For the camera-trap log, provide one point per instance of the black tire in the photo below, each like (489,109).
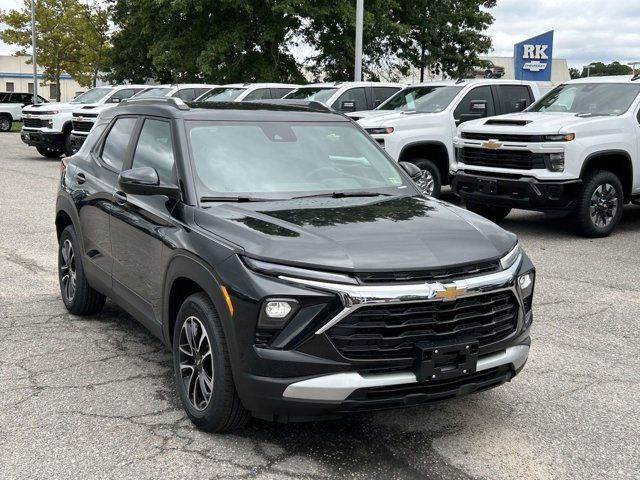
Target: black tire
(5,123)
(593,227)
(81,299)
(224,411)
(429,167)
(67,146)
(495,214)
(50,152)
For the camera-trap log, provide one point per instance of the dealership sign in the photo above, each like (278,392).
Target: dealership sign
(533,58)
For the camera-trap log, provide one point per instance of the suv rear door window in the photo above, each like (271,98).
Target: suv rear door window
(477,94)
(514,98)
(155,149)
(117,142)
(356,95)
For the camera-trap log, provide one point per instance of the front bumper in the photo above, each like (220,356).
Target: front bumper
(77,140)
(302,374)
(36,138)
(516,192)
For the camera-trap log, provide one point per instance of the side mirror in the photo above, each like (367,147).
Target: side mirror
(410,169)
(145,181)
(348,106)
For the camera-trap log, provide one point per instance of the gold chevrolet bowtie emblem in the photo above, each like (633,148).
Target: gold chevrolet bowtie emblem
(450,293)
(491,143)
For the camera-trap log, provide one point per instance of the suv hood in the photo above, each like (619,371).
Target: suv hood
(536,123)
(358,234)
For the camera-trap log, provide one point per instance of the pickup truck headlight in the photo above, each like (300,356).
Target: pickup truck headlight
(561,137)
(50,112)
(380,131)
(555,162)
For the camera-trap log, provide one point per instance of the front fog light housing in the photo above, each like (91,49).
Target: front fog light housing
(556,162)
(525,284)
(276,312)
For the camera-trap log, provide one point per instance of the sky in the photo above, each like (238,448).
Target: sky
(585,30)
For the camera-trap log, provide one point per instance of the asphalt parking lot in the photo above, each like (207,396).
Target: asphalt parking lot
(94,397)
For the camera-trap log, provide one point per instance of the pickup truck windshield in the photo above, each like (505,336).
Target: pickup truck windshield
(588,98)
(432,99)
(284,160)
(319,94)
(92,96)
(221,94)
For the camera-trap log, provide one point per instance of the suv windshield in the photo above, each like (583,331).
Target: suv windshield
(588,98)
(92,96)
(431,99)
(291,158)
(154,92)
(221,94)
(319,94)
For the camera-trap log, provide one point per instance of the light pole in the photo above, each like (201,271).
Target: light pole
(33,48)
(589,67)
(359,24)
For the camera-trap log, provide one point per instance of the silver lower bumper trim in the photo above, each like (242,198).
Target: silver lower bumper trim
(338,386)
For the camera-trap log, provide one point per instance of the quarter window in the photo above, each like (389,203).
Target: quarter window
(155,149)
(356,95)
(117,142)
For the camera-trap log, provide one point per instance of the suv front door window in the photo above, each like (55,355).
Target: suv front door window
(116,144)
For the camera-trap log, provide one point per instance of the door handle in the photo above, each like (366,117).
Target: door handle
(80,178)
(120,197)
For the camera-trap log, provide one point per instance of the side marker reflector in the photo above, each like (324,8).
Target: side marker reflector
(227,298)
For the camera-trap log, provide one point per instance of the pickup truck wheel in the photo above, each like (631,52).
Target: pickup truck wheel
(600,204)
(5,123)
(50,152)
(430,183)
(67,146)
(495,214)
(77,294)
(202,368)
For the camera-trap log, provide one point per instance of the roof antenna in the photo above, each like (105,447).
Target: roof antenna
(636,75)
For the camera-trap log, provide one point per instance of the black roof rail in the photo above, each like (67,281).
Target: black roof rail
(310,104)
(169,101)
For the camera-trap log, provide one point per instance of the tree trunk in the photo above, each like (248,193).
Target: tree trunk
(422,63)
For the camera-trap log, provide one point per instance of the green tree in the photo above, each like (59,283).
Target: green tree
(601,69)
(70,37)
(574,73)
(444,36)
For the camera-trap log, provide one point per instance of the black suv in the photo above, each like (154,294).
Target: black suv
(292,267)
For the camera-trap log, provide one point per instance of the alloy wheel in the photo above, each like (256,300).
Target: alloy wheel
(196,363)
(604,205)
(5,124)
(68,271)
(426,183)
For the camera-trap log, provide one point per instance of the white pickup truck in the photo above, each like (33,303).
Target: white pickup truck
(418,124)
(47,126)
(576,150)
(11,104)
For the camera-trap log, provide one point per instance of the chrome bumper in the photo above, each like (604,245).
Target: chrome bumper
(338,386)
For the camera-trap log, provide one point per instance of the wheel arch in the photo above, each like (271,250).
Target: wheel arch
(436,152)
(615,161)
(7,114)
(186,275)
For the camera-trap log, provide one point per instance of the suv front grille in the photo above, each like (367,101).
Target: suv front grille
(429,275)
(516,159)
(391,332)
(82,126)
(32,122)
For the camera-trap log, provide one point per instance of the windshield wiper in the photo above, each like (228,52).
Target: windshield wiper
(235,198)
(345,195)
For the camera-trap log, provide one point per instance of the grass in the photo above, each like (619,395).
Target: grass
(16,126)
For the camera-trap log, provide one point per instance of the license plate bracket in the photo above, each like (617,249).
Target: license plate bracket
(487,186)
(446,361)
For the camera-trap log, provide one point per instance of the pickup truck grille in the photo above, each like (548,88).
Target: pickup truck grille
(503,137)
(516,159)
(32,122)
(82,126)
(391,332)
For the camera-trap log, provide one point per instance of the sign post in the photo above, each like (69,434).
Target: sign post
(533,58)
